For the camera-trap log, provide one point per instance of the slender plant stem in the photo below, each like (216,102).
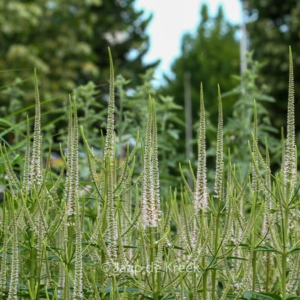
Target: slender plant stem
(67,285)
(69,258)
(268,271)
(203,261)
(152,258)
(32,262)
(194,279)
(214,274)
(283,264)
(254,258)
(284,254)
(285,241)
(205,285)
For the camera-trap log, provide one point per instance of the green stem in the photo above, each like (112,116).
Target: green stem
(69,258)
(268,271)
(67,287)
(205,285)
(194,293)
(102,274)
(181,287)
(214,274)
(283,264)
(285,244)
(39,267)
(254,258)
(152,258)
(213,288)
(32,262)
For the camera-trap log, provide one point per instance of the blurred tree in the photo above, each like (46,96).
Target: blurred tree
(67,42)
(211,57)
(272,26)
(238,130)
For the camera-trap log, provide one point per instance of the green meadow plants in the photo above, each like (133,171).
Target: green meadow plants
(119,238)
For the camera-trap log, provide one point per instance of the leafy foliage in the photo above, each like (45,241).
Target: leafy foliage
(272,26)
(250,104)
(113,238)
(48,36)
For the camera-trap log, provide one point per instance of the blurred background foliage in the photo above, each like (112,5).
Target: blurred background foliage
(272,26)
(67,42)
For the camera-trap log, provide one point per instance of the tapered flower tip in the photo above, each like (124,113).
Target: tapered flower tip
(110,57)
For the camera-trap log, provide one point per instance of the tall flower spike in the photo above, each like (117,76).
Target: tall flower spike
(27,161)
(150,186)
(13,180)
(109,162)
(147,177)
(4,252)
(72,183)
(219,151)
(36,163)
(14,273)
(155,162)
(69,197)
(200,194)
(78,276)
(255,150)
(111,213)
(290,152)
(110,134)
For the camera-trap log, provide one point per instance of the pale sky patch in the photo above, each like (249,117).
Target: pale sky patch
(173,18)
